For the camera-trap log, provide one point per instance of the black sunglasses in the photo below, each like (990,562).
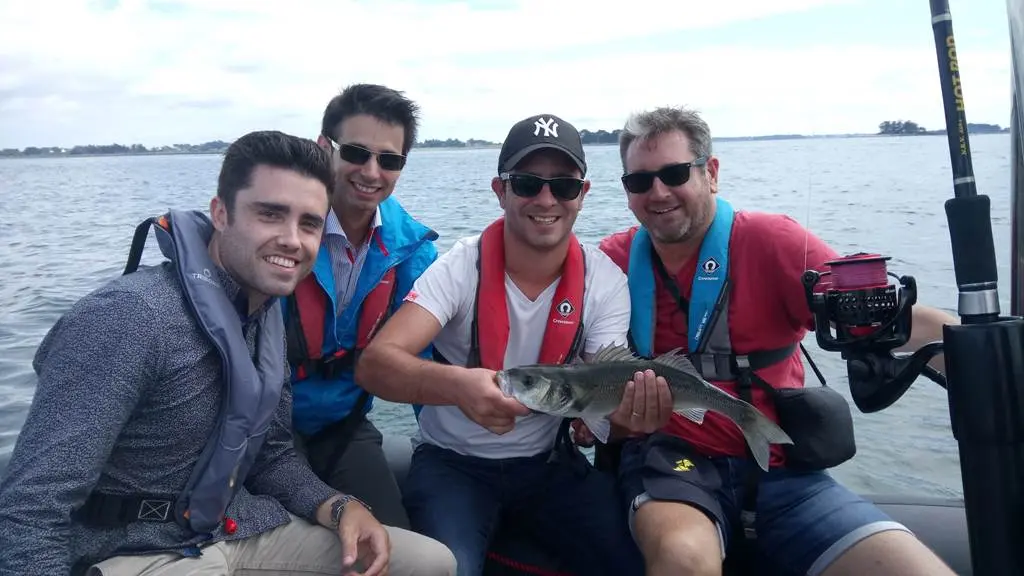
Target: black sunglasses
(528,185)
(359,155)
(672,175)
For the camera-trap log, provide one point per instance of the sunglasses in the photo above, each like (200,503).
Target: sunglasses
(358,155)
(528,186)
(671,175)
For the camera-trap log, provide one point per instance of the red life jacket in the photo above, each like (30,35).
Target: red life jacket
(563,335)
(308,312)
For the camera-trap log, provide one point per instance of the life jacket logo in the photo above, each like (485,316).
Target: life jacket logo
(206,276)
(565,308)
(710,266)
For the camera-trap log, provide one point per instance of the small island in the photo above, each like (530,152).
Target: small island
(599,137)
(911,128)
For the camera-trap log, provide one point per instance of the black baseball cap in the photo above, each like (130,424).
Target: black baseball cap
(537,132)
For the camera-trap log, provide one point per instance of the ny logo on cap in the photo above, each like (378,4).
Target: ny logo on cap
(549,126)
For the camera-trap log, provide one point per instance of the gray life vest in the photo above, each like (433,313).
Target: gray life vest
(251,392)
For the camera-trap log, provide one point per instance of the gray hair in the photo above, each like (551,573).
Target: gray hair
(652,123)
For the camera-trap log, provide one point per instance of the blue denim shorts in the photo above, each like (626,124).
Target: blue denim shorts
(805,520)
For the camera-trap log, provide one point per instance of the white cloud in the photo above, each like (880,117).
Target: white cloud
(170,71)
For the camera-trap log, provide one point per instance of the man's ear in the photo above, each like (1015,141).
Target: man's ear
(712,174)
(583,193)
(219,213)
(325,144)
(498,186)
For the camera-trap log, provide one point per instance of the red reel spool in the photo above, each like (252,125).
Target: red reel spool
(862,278)
(859,272)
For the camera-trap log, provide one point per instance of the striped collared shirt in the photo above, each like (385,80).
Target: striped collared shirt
(346,259)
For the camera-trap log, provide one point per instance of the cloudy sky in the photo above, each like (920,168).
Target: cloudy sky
(167,71)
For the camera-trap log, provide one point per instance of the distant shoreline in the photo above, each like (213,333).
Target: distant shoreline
(51,153)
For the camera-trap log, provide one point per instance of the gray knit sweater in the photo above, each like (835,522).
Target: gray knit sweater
(129,390)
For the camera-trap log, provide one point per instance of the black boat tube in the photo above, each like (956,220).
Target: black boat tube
(983,355)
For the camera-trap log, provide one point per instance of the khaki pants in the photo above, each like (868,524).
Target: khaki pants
(297,548)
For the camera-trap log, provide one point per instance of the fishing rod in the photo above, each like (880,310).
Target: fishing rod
(983,355)
(984,368)
(968,213)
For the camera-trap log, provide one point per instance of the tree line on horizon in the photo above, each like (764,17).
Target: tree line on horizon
(219,146)
(886,128)
(909,127)
(588,137)
(213,147)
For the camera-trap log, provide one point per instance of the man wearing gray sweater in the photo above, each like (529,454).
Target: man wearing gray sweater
(159,438)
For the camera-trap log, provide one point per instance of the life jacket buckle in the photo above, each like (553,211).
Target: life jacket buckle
(338,355)
(708,369)
(152,510)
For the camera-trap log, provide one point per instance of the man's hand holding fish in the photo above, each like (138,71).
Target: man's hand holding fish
(646,406)
(482,401)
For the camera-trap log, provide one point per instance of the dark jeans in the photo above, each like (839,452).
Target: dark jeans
(569,506)
(362,471)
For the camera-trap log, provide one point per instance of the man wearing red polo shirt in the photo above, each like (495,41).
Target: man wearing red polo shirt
(686,484)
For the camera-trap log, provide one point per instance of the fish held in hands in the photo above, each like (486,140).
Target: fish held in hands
(592,390)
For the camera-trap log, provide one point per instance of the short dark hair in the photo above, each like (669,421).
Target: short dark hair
(385,104)
(270,148)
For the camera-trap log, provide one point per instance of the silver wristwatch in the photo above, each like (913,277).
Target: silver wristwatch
(338,508)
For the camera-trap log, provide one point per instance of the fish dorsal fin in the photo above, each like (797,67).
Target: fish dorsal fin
(676,359)
(614,353)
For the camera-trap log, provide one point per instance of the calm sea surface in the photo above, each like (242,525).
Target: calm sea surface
(67,224)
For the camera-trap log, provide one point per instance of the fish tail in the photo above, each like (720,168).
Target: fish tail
(760,433)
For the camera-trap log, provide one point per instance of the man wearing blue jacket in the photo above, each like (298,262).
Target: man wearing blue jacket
(371,253)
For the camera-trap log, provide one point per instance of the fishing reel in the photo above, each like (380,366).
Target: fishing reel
(871,317)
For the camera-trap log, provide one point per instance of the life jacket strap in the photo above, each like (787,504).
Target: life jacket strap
(752,476)
(729,367)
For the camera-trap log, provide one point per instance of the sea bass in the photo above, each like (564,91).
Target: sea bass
(593,390)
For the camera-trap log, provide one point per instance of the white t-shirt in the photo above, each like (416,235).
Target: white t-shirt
(447,290)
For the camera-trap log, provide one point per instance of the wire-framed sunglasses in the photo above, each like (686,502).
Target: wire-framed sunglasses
(528,186)
(641,181)
(356,154)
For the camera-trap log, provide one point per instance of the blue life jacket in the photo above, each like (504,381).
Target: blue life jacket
(709,344)
(323,387)
(252,393)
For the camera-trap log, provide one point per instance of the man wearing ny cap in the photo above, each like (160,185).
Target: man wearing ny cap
(538,296)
